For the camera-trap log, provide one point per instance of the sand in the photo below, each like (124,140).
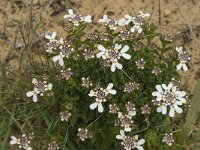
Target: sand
(179,18)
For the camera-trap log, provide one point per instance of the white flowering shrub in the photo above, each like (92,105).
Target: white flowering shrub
(109,89)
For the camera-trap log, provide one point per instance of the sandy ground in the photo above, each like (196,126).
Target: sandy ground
(179,18)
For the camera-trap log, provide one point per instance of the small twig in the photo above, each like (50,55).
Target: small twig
(127,75)
(148,125)
(47,8)
(159,11)
(13,118)
(95,120)
(189,26)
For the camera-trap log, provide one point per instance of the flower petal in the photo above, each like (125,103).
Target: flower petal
(140,142)
(157,94)
(159,109)
(159,88)
(125,49)
(113,92)
(132,113)
(87,18)
(113,67)
(118,46)
(101,48)
(140,147)
(29,93)
(126,56)
(100,54)
(185,68)
(53,35)
(56,58)
(35,99)
(93,105)
(179,66)
(61,62)
(119,137)
(70,11)
(127,129)
(171,112)
(92,93)
(110,86)
(118,65)
(178,109)
(121,22)
(50,85)
(13,141)
(100,108)
(164,110)
(35,81)
(122,132)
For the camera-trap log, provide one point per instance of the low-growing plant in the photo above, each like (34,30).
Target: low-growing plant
(114,88)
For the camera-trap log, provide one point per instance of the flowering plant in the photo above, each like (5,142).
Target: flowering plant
(105,87)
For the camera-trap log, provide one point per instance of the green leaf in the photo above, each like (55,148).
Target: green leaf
(192,116)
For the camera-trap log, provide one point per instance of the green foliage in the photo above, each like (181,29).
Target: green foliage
(43,117)
(191,118)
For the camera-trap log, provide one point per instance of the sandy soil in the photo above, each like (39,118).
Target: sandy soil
(179,18)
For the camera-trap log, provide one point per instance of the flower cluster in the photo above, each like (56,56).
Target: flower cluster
(40,87)
(169,96)
(83,134)
(131,86)
(77,19)
(126,121)
(168,139)
(65,116)
(83,74)
(113,55)
(53,146)
(135,22)
(60,49)
(23,142)
(129,142)
(183,58)
(101,94)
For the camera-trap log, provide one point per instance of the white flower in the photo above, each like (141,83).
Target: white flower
(103,52)
(115,65)
(137,144)
(169,96)
(126,121)
(123,52)
(111,23)
(104,19)
(14,140)
(76,19)
(179,49)
(136,28)
(121,22)
(182,65)
(59,58)
(109,89)
(121,136)
(97,104)
(87,19)
(143,15)
(20,142)
(51,37)
(39,88)
(101,95)
(129,19)
(33,94)
(183,58)
(113,55)
(70,14)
